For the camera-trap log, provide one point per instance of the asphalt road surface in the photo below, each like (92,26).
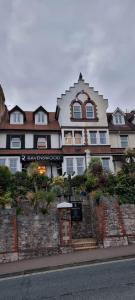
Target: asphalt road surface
(115,280)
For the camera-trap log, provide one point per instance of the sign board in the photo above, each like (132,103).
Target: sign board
(40,157)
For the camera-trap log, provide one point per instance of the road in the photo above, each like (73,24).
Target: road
(115,280)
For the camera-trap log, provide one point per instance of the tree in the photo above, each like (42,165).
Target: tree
(5,179)
(129,161)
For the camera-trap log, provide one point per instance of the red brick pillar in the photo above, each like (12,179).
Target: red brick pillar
(65,223)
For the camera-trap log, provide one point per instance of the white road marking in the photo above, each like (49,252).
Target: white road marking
(88,265)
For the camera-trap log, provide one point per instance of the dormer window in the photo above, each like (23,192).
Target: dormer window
(118,117)
(16,117)
(89,111)
(41,117)
(77,112)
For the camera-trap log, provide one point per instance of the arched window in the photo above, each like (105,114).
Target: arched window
(77,111)
(89,111)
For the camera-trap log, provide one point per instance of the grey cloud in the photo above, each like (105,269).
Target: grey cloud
(45,44)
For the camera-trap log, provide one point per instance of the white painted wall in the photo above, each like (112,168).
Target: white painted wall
(28,140)
(65,101)
(115,140)
(2,140)
(54,140)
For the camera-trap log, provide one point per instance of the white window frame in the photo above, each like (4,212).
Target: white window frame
(14,140)
(16,117)
(13,168)
(89,105)
(77,114)
(118,119)
(126,140)
(40,117)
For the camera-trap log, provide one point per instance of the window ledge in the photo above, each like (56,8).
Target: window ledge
(84,120)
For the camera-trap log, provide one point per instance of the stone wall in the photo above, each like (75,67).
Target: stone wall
(115,224)
(26,236)
(128,215)
(38,234)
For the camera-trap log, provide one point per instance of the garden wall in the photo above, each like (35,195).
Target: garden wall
(115,223)
(29,235)
(26,236)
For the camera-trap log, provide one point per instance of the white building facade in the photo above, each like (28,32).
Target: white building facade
(65,141)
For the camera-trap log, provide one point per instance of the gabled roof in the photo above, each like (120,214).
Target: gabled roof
(80,80)
(17,108)
(41,108)
(118,110)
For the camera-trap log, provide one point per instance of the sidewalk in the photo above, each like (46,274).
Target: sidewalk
(65,260)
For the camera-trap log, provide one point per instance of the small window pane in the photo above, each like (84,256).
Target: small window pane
(2,161)
(105,164)
(124,141)
(93,137)
(41,117)
(119,119)
(68,138)
(77,111)
(17,117)
(80,167)
(69,163)
(78,138)
(102,137)
(13,165)
(89,112)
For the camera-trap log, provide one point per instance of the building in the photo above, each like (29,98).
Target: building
(64,141)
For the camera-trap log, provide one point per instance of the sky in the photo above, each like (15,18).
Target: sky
(45,44)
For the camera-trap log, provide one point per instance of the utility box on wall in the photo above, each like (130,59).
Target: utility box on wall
(76,211)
